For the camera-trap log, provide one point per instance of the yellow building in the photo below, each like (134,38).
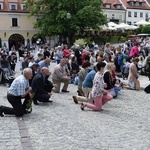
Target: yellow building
(16,28)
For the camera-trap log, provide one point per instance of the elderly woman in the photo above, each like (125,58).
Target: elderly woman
(82,74)
(99,94)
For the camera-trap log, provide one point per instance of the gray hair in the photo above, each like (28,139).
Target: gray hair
(26,70)
(44,69)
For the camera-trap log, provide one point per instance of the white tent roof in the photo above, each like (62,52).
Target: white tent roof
(121,26)
(142,22)
(111,24)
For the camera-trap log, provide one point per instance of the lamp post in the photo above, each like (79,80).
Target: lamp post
(68,18)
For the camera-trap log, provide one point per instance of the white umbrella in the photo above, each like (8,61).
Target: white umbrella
(111,24)
(121,26)
(142,22)
(112,28)
(131,27)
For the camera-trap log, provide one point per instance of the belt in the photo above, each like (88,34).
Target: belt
(8,94)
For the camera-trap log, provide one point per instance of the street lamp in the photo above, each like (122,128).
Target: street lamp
(68,18)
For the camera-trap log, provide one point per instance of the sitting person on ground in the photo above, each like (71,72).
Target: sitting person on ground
(60,76)
(42,86)
(86,87)
(82,74)
(18,90)
(99,94)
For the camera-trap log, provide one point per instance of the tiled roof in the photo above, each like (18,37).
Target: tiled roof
(112,3)
(126,4)
(6,6)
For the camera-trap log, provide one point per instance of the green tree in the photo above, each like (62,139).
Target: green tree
(85,14)
(146,29)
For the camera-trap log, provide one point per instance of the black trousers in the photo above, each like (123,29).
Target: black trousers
(43,97)
(18,108)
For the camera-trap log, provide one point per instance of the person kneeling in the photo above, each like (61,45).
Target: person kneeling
(42,86)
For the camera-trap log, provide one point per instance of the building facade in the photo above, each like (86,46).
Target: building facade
(126,11)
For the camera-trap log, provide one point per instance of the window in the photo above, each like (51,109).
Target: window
(146,15)
(107,6)
(14,22)
(131,3)
(1,6)
(118,6)
(135,14)
(23,7)
(13,6)
(141,15)
(142,4)
(129,22)
(129,14)
(137,4)
(120,18)
(113,16)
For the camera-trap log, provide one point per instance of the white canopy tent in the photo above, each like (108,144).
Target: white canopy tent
(131,27)
(121,26)
(142,22)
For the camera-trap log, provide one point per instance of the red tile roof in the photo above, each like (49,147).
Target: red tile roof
(126,4)
(112,3)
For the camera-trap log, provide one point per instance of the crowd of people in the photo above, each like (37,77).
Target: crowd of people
(96,72)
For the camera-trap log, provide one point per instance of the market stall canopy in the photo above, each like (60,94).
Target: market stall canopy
(111,24)
(142,22)
(131,27)
(121,26)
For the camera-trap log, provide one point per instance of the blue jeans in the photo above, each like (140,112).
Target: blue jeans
(117,89)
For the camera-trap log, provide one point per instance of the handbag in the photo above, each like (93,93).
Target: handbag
(137,85)
(112,92)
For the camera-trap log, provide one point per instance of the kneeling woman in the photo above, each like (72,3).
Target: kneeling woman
(99,94)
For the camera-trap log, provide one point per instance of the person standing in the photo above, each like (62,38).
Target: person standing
(18,90)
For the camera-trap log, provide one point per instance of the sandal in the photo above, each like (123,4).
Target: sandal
(82,106)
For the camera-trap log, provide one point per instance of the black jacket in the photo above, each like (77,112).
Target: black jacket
(41,86)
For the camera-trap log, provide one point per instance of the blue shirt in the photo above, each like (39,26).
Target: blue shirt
(43,64)
(88,81)
(19,86)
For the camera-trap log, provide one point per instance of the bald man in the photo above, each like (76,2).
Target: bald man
(42,86)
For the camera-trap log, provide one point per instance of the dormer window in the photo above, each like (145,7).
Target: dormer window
(1,6)
(142,4)
(107,5)
(131,3)
(137,4)
(118,6)
(13,6)
(23,7)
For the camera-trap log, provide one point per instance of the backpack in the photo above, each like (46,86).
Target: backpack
(120,60)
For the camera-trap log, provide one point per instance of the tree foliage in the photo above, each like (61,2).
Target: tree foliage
(53,15)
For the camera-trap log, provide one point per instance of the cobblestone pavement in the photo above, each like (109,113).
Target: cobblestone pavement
(124,124)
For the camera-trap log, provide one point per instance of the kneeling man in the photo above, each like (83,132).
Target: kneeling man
(42,86)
